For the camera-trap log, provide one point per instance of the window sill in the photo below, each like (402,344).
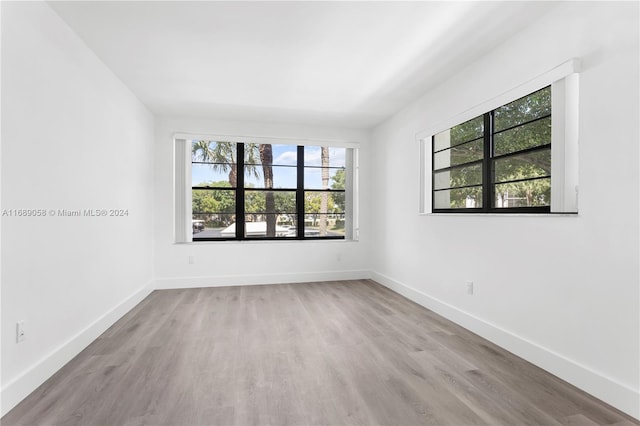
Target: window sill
(266,242)
(503,214)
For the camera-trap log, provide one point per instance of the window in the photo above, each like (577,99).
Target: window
(515,153)
(498,161)
(250,190)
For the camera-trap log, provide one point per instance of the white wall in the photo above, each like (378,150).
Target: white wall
(73,137)
(562,292)
(243,262)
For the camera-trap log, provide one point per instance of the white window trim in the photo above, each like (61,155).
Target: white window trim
(564,144)
(267,139)
(182,202)
(564,80)
(182,231)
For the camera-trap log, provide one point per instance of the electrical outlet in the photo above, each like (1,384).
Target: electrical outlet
(469,287)
(192,260)
(20,332)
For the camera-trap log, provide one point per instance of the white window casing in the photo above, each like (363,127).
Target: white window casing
(564,144)
(183,228)
(351,201)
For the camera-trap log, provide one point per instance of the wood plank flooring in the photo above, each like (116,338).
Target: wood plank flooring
(331,353)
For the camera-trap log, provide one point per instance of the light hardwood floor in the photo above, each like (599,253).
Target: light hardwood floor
(331,353)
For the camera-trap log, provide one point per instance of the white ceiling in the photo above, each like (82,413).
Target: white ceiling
(349,64)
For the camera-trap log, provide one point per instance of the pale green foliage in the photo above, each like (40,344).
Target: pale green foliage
(338,181)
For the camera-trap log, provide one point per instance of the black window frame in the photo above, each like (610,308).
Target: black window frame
(488,166)
(240,190)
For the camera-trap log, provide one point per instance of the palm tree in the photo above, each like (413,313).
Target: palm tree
(251,154)
(222,156)
(324,200)
(266,158)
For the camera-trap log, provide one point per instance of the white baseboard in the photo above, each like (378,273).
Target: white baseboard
(20,387)
(618,395)
(253,279)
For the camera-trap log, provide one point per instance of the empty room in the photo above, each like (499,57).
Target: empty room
(320,213)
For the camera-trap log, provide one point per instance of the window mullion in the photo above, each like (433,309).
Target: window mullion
(240,217)
(300,194)
(487,175)
(433,172)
